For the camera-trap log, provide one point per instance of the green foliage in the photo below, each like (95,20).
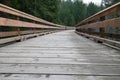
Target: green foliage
(92,9)
(65,13)
(71,12)
(80,10)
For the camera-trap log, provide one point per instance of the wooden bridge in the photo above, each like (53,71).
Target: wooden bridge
(47,51)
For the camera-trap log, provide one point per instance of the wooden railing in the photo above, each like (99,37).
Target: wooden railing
(15,12)
(103,27)
(12,18)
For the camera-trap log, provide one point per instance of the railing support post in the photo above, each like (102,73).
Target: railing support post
(34,30)
(89,31)
(102,30)
(17,28)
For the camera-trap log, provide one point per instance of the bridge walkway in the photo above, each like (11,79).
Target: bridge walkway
(63,55)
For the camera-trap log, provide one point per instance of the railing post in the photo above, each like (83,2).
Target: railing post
(17,28)
(89,31)
(0,26)
(102,30)
(33,29)
(65,28)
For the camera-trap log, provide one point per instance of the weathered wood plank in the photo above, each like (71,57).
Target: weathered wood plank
(17,23)
(71,56)
(102,24)
(54,77)
(60,69)
(56,60)
(15,33)
(2,41)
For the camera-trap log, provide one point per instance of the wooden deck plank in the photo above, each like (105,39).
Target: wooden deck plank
(83,69)
(55,77)
(67,56)
(56,60)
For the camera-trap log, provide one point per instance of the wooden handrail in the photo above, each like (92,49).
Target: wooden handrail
(9,10)
(102,24)
(15,33)
(102,13)
(16,23)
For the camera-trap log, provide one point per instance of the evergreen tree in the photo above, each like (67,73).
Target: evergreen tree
(92,9)
(71,12)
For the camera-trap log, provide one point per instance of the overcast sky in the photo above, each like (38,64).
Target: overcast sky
(95,1)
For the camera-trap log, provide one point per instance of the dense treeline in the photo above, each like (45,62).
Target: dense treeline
(72,12)
(65,12)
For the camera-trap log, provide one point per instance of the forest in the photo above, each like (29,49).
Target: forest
(64,12)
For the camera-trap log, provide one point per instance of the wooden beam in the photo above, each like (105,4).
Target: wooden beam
(107,23)
(6,34)
(16,23)
(24,37)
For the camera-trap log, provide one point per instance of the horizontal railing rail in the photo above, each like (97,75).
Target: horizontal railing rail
(18,20)
(16,23)
(24,37)
(105,24)
(15,33)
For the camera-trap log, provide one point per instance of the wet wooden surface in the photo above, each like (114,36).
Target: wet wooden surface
(59,56)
